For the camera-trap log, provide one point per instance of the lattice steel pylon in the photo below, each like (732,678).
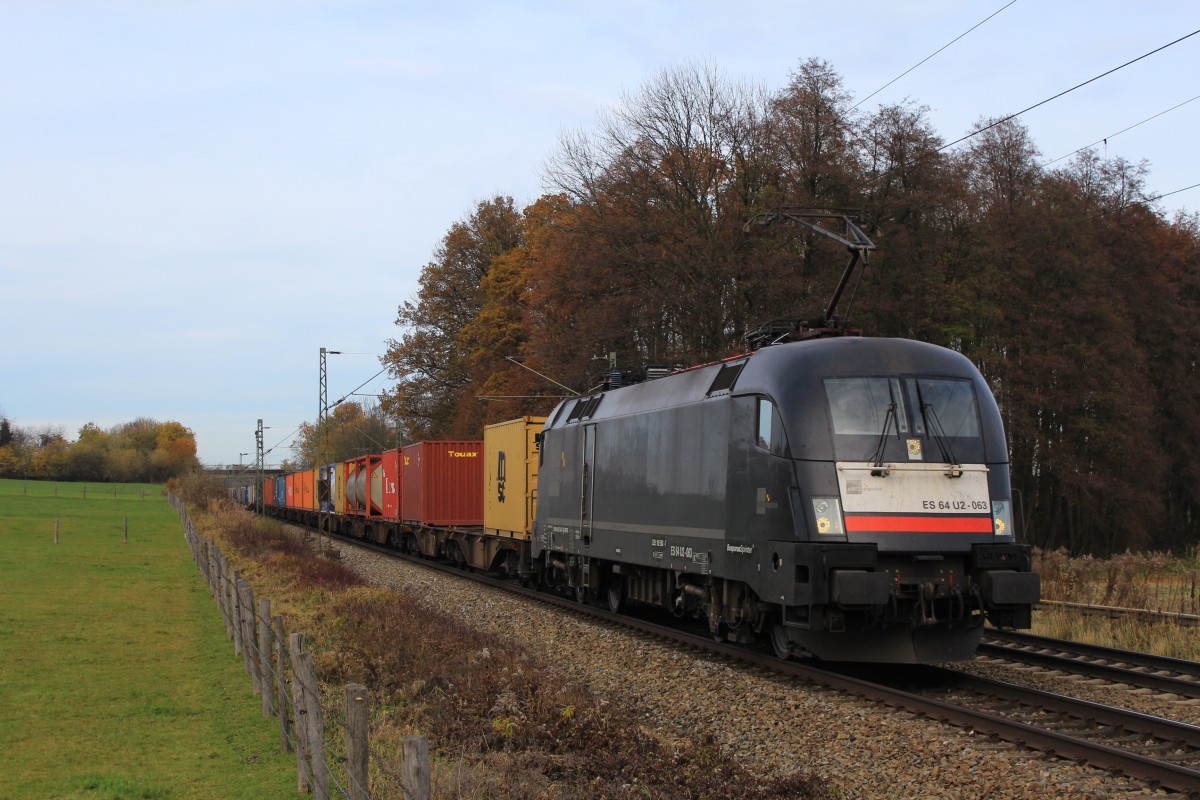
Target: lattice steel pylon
(258,457)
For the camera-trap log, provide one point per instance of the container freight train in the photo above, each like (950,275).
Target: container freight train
(845,498)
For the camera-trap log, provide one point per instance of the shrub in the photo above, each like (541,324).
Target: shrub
(510,723)
(202,490)
(478,695)
(268,542)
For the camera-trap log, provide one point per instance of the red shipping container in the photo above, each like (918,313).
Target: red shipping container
(390,463)
(293,497)
(442,483)
(268,491)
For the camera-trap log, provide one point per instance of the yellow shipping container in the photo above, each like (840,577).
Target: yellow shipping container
(511,469)
(339,488)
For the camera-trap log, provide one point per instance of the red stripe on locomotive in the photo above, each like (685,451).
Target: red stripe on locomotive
(863,523)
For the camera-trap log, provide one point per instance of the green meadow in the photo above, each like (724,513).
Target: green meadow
(116,678)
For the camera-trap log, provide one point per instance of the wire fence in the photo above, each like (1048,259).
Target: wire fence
(284,675)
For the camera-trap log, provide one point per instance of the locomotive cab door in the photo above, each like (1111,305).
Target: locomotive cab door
(586,493)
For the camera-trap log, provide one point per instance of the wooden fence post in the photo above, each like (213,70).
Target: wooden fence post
(223,595)
(295,648)
(306,674)
(210,566)
(56,530)
(281,686)
(316,728)
(356,742)
(127,529)
(202,561)
(249,633)
(235,617)
(227,592)
(265,679)
(414,777)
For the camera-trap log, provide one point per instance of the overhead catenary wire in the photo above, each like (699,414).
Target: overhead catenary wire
(1098,214)
(1168,194)
(281,441)
(342,399)
(1118,133)
(1065,92)
(1142,201)
(931,55)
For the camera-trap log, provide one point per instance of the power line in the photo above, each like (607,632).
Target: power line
(1118,133)
(356,388)
(1068,91)
(931,55)
(1142,202)
(1168,194)
(284,439)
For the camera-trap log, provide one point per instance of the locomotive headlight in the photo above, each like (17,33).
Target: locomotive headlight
(1002,520)
(828,512)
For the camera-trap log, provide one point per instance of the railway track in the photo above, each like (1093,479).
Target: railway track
(1160,752)
(1143,670)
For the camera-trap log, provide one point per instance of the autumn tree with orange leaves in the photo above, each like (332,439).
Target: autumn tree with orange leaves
(1074,295)
(141,451)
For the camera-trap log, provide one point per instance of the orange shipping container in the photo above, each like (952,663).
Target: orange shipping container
(305,489)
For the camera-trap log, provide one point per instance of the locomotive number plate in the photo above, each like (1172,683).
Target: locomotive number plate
(913,489)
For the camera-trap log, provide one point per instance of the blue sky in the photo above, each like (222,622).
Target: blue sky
(195,197)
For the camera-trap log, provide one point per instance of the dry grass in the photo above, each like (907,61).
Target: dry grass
(1150,581)
(503,722)
(1154,581)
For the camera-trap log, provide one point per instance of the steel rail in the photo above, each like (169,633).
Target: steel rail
(1181,733)
(1160,673)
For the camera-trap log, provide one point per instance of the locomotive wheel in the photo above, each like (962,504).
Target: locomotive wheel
(582,595)
(780,642)
(615,595)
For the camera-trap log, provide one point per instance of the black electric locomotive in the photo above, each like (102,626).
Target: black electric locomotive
(846,497)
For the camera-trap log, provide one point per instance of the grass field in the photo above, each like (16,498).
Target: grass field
(116,679)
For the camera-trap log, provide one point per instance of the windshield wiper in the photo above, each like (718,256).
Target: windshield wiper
(934,426)
(877,456)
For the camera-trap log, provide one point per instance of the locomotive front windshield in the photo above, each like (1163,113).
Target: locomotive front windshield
(880,418)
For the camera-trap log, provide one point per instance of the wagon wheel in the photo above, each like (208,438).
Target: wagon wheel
(780,642)
(615,595)
(582,594)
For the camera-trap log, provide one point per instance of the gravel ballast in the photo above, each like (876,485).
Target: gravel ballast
(769,723)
